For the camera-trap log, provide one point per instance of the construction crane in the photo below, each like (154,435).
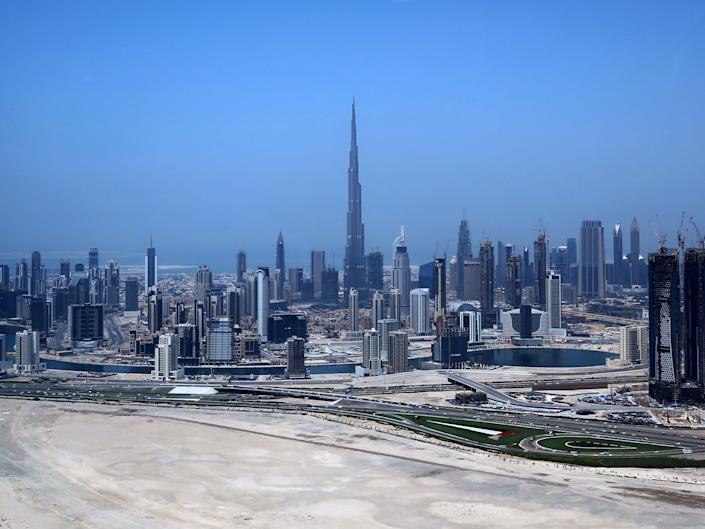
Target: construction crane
(683,231)
(661,236)
(701,239)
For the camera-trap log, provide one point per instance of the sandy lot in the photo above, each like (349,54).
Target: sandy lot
(91,466)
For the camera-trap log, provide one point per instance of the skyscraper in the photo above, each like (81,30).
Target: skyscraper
(420,310)
(204,284)
(439,286)
(617,255)
(27,351)
(4,277)
(634,252)
(401,273)
(473,279)
(354,263)
(295,354)
(591,261)
(395,304)
(353,308)
(540,269)
(21,276)
(694,294)
(262,302)
(241,265)
(166,355)
(487,283)
(553,299)
(35,274)
(131,294)
(150,267)
(398,352)
(219,344)
(93,258)
(375,270)
(318,263)
(464,251)
(372,352)
(280,266)
(377,308)
(513,288)
(664,325)
(155,310)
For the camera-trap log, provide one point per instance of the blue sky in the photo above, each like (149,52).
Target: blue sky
(213,125)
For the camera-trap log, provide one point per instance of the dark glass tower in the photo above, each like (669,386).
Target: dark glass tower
(439,285)
(634,250)
(487,283)
(664,325)
(617,255)
(280,266)
(463,252)
(354,265)
(93,258)
(540,270)
(694,294)
(375,270)
(241,265)
(150,267)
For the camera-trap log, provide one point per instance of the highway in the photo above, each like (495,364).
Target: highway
(234,396)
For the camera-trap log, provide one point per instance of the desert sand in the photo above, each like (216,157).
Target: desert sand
(109,467)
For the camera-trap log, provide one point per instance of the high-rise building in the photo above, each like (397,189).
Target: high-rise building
(591,265)
(513,288)
(186,333)
(329,284)
(93,261)
(372,352)
(166,358)
(395,304)
(540,268)
(236,300)
(553,299)
(150,267)
(464,251)
(420,311)
(295,355)
(131,294)
(572,250)
(634,253)
(377,308)
(280,266)
(3,351)
(155,310)
(398,355)
(27,352)
(664,325)
(21,276)
(219,344)
(38,276)
(353,308)
(438,288)
(241,265)
(374,269)
(354,263)
(694,298)
(262,301)
(4,277)
(472,279)
(86,324)
(385,327)
(318,264)
(617,255)
(296,282)
(633,344)
(487,283)
(401,272)
(65,268)
(112,284)
(204,284)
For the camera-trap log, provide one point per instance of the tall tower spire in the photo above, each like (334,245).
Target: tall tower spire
(354,264)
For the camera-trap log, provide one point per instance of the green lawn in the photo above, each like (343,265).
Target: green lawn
(510,435)
(594,445)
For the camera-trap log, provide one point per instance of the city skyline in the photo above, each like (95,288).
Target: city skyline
(463,126)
